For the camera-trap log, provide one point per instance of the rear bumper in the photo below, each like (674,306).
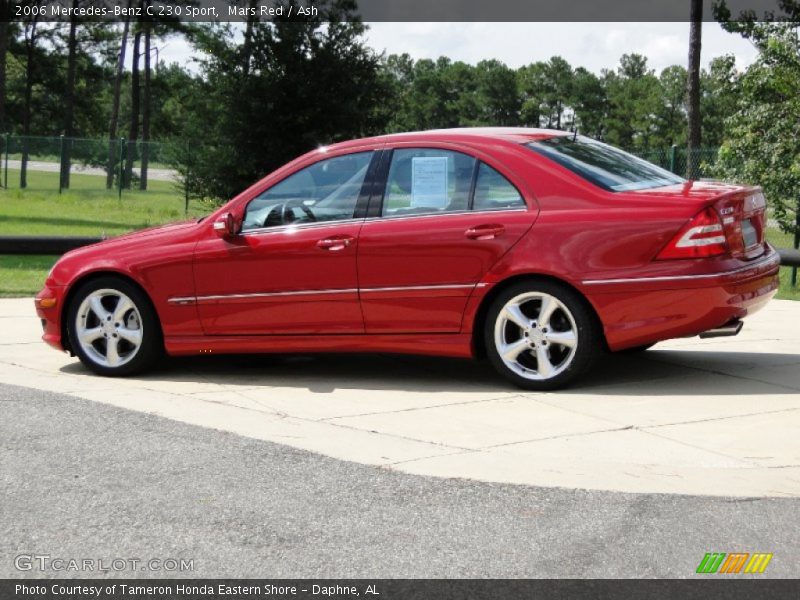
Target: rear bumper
(640,311)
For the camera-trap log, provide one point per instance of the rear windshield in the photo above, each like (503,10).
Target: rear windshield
(603,165)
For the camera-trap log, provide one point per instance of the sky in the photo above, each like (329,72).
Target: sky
(594,46)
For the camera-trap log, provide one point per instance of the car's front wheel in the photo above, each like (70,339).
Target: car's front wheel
(541,335)
(113,328)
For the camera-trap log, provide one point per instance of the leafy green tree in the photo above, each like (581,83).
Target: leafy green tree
(762,144)
(174,91)
(85,46)
(304,84)
(35,33)
(472,99)
(633,100)
(113,121)
(396,75)
(434,99)
(531,85)
(557,81)
(762,139)
(719,85)
(671,115)
(7,37)
(589,102)
(498,100)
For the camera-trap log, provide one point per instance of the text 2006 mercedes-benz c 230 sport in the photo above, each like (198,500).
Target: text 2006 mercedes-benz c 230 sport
(538,249)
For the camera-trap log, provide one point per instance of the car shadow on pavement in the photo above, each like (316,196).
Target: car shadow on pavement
(652,373)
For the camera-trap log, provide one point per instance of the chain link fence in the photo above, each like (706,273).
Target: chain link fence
(114,166)
(678,160)
(121,165)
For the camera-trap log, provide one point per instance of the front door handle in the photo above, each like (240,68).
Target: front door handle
(485,232)
(335,243)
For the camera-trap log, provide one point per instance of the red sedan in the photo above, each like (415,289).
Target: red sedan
(538,249)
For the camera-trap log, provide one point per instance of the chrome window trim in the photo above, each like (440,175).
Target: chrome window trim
(196,299)
(294,227)
(311,225)
(445,214)
(454,286)
(182,300)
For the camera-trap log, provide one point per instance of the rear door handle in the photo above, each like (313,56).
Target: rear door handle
(335,243)
(485,232)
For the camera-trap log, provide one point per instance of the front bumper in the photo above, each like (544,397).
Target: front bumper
(48,304)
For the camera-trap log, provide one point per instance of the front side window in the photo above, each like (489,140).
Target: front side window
(427,180)
(328,190)
(603,165)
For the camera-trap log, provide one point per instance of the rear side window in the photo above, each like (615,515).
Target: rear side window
(430,181)
(427,180)
(495,192)
(603,165)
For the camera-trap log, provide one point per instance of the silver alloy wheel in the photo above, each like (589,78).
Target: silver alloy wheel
(536,336)
(109,327)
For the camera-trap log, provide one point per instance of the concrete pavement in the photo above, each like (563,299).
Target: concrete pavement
(711,417)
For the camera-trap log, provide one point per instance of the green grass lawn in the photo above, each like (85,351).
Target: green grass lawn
(89,209)
(784,240)
(23,275)
(86,209)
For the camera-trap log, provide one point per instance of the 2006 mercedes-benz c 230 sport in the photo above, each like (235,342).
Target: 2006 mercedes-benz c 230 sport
(538,249)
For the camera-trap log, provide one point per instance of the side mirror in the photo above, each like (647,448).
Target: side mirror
(226,226)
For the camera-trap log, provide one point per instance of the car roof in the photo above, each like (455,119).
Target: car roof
(515,135)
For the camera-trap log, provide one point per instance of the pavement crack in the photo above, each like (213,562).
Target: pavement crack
(415,408)
(421,458)
(710,419)
(701,448)
(556,404)
(560,435)
(282,415)
(391,435)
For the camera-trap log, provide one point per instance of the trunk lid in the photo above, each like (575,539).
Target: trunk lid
(742,211)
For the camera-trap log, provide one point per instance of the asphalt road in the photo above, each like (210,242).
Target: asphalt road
(85,480)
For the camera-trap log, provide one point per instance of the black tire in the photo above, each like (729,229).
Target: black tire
(589,337)
(151,347)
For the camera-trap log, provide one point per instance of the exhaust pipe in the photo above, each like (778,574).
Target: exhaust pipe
(730,328)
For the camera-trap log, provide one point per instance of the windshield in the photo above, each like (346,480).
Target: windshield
(603,165)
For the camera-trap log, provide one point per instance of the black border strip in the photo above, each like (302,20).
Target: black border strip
(709,588)
(598,11)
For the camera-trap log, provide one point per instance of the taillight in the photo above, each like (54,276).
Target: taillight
(702,236)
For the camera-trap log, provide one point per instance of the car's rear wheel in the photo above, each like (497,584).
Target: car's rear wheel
(113,328)
(541,335)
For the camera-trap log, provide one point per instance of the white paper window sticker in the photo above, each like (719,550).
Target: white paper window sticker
(429,181)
